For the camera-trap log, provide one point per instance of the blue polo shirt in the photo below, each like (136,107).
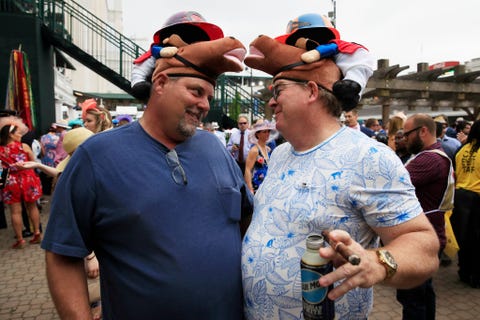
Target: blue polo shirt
(166,250)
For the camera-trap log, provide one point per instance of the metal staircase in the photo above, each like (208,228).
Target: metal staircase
(94,43)
(232,99)
(89,40)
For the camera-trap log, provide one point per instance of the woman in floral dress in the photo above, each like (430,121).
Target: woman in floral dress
(256,165)
(22,184)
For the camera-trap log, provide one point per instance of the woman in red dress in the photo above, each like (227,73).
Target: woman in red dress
(22,184)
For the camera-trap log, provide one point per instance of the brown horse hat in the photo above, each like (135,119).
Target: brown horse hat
(206,60)
(283,61)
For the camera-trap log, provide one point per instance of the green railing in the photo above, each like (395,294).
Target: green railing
(94,36)
(89,37)
(232,99)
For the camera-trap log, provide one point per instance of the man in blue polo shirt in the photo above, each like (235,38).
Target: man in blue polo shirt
(160,204)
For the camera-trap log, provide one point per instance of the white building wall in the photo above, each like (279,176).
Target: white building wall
(84,79)
(473,65)
(64,98)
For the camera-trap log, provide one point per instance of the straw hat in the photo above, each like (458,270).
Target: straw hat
(400,114)
(440,119)
(259,126)
(61,124)
(71,141)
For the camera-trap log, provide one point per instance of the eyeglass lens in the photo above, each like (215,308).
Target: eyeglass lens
(276,89)
(178,174)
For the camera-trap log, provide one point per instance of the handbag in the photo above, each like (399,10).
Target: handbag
(5,171)
(4,177)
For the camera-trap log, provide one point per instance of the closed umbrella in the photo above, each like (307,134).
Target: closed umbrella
(19,88)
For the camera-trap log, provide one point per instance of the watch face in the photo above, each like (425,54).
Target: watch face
(388,262)
(389,259)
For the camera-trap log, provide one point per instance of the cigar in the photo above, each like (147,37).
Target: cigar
(341,248)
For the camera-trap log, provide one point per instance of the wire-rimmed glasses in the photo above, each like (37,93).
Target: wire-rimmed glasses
(276,89)
(178,174)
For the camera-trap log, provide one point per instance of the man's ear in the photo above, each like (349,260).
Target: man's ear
(314,90)
(160,82)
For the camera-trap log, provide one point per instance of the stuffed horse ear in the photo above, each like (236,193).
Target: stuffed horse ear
(172,44)
(306,43)
(174,41)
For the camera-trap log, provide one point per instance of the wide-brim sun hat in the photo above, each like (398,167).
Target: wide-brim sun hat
(62,124)
(440,119)
(264,125)
(71,141)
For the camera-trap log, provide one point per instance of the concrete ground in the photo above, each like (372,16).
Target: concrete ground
(24,292)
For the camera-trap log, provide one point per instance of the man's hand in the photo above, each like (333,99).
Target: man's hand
(91,266)
(363,275)
(462,137)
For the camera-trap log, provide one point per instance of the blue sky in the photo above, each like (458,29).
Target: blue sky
(405,32)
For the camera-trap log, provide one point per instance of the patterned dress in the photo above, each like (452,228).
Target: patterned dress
(259,171)
(349,182)
(49,142)
(21,184)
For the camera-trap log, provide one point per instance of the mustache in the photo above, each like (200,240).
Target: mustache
(199,114)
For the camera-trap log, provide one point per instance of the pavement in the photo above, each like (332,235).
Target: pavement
(24,292)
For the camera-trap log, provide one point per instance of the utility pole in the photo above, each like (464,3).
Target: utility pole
(333,14)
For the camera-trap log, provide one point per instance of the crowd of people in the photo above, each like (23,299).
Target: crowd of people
(33,173)
(442,163)
(183,223)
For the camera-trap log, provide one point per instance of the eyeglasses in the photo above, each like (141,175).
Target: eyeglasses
(407,133)
(276,89)
(242,122)
(178,174)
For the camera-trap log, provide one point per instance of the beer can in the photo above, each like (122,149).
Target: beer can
(316,304)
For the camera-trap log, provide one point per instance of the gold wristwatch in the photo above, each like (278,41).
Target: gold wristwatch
(387,260)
